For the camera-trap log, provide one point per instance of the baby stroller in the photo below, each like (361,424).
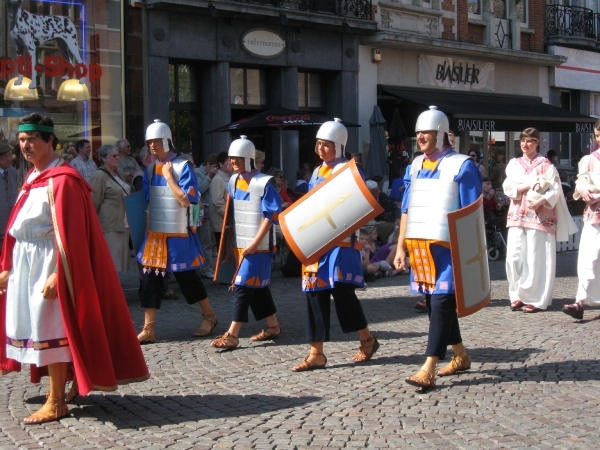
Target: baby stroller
(496,245)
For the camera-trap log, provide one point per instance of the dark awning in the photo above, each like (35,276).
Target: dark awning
(494,112)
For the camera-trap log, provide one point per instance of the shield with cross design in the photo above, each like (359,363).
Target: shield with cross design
(328,214)
(469,258)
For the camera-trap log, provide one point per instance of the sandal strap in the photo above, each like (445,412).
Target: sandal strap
(227,339)
(212,319)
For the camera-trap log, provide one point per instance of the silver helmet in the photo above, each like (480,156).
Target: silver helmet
(433,120)
(335,132)
(160,130)
(243,148)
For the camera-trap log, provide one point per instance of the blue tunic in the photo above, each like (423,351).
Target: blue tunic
(255,269)
(469,181)
(340,264)
(183,253)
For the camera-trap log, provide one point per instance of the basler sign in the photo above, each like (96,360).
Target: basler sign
(455,73)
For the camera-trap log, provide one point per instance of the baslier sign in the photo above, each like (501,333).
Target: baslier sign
(476,125)
(456,73)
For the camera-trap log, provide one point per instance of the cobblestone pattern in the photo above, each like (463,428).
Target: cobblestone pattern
(534,382)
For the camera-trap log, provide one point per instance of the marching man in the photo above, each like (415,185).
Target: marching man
(437,183)
(256,205)
(337,273)
(171,243)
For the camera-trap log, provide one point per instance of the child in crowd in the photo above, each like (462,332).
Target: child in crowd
(384,257)
(369,270)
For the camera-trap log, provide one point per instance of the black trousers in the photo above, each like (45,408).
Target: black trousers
(347,306)
(259,300)
(443,324)
(152,288)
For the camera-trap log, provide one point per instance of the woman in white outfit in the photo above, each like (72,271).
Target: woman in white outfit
(536,220)
(588,265)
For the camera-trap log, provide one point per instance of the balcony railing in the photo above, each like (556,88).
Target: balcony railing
(361,9)
(572,21)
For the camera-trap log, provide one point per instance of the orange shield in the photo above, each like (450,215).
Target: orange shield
(469,258)
(328,214)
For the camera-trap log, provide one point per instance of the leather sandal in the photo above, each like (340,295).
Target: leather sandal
(530,309)
(226,341)
(306,365)
(212,323)
(147,335)
(366,349)
(422,379)
(574,310)
(266,335)
(458,363)
(516,305)
(53,409)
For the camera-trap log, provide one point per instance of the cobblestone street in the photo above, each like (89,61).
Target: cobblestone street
(534,382)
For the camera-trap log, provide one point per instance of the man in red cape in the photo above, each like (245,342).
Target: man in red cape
(100,332)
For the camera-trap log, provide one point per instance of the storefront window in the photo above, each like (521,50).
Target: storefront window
(78,41)
(248,87)
(310,90)
(183,106)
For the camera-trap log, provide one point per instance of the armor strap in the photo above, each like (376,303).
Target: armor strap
(315,174)
(449,166)
(178,165)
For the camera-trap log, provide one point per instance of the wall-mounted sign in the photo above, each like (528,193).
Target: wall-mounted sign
(263,43)
(549,125)
(455,73)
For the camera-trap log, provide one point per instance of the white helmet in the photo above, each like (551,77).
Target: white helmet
(433,120)
(160,130)
(335,132)
(243,148)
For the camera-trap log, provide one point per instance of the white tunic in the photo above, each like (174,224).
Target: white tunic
(34,326)
(588,261)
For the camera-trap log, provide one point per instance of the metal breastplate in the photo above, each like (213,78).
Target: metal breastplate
(166,213)
(431,200)
(248,213)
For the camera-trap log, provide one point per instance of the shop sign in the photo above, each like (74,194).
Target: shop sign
(456,73)
(53,66)
(519,124)
(476,125)
(584,127)
(263,43)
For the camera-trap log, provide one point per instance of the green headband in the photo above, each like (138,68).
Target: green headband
(35,127)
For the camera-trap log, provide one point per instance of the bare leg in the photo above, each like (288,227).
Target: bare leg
(234,328)
(272,331)
(147,335)
(367,347)
(315,359)
(430,363)
(149,315)
(55,406)
(209,321)
(458,349)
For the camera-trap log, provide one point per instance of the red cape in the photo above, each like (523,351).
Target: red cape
(101,334)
